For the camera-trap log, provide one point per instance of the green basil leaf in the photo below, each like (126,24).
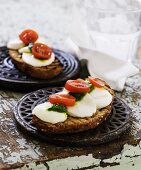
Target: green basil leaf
(58,108)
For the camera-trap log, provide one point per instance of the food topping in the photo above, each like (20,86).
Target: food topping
(28,36)
(31,60)
(78,96)
(15,44)
(33,49)
(95,82)
(24,50)
(83,108)
(91,88)
(58,108)
(77,86)
(65,99)
(41,51)
(79,99)
(101,97)
(52,116)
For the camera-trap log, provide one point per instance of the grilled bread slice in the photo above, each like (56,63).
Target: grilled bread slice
(44,72)
(74,124)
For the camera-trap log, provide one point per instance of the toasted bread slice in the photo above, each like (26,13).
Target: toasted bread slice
(73,124)
(45,72)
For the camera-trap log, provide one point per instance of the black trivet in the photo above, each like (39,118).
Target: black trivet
(13,79)
(112,128)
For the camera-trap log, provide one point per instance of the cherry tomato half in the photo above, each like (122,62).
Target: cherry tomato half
(95,82)
(41,51)
(28,36)
(77,86)
(65,99)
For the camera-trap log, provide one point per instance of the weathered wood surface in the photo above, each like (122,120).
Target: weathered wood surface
(18,148)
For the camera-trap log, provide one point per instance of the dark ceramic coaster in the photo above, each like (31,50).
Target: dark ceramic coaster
(112,128)
(11,78)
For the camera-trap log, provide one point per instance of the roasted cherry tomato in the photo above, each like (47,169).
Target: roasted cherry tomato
(95,82)
(41,51)
(65,99)
(28,36)
(77,86)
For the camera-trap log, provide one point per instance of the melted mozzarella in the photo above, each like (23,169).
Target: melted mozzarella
(24,50)
(31,60)
(83,108)
(15,44)
(41,111)
(101,97)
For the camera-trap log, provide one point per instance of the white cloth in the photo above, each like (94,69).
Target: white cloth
(113,70)
(108,68)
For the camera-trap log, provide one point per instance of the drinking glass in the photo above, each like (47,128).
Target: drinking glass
(114,26)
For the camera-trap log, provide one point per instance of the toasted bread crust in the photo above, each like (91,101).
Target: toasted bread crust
(45,72)
(73,124)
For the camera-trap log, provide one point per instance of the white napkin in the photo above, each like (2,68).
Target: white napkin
(113,70)
(110,69)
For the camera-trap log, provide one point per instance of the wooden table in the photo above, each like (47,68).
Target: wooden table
(19,150)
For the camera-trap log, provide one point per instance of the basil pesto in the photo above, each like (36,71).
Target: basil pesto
(91,88)
(58,108)
(78,96)
(30,47)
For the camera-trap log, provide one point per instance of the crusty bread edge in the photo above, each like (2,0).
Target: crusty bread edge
(37,72)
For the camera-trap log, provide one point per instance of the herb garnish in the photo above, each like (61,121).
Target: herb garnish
(78,96)
(90,86)
(58,108)
(30,47)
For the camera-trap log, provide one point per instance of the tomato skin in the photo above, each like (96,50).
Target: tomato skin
(65,99)
(28,36)
(41,51)
(95,82)
(77,86)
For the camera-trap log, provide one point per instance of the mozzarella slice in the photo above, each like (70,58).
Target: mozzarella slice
(24,50)
(15,44)
(41,111)
(83,108)
(31,60)
(101,97)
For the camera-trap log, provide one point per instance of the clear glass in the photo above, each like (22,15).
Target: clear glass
(114,26)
